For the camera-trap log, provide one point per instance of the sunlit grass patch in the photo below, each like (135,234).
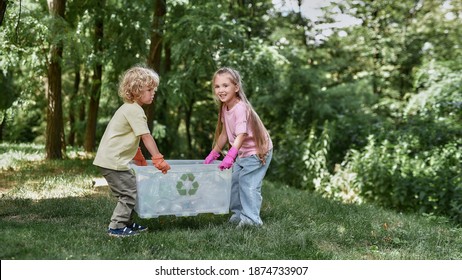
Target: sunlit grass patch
(24,173)
(12,155)
(52,187)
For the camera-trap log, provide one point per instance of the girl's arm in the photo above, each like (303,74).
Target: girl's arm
(221,141)
(238,141)
(215,153)
(232,153)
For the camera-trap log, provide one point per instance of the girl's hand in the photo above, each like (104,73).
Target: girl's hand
(229,159)
(211,157)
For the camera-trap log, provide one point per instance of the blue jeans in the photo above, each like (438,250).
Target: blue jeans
(246,199)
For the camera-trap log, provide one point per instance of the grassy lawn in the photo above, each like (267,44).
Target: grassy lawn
(51,210)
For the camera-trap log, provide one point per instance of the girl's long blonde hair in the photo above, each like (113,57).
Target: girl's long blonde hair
(260,133)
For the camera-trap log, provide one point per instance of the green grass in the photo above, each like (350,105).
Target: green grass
(50,210)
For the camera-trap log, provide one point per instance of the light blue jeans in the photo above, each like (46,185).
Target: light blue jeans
(246,199)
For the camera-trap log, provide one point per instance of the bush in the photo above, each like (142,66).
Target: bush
(396,176)
(415,163)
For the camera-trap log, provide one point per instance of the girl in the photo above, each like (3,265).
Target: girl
(251,147)
(120,143)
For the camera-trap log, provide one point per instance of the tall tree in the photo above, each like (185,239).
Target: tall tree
(73,107)
(95,91)
(55,144)
(155,49)
(9,95)
(3,4)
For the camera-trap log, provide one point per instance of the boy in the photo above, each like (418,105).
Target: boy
(120,143)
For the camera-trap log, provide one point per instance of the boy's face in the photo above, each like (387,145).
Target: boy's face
(147,96)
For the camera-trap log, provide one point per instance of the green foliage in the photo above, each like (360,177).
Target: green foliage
(23,122)
(315,157)
(287,164)
(352,117)
(440,97)
(9,94)
(395,175)
(416,165)
(23,57)
(202,38)
(410,164)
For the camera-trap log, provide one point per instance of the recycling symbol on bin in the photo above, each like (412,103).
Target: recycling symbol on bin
(187,185)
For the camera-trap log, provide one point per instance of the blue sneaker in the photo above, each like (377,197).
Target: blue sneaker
(137,227)
(121,232)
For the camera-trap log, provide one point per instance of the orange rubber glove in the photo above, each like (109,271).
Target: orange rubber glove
(160,163)
(139,158)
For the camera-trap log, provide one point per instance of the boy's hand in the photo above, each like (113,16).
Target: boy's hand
(139,158)
(229,159)
(211,157)
(160,163)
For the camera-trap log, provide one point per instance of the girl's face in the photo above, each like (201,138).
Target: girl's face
(225,89)
(147,96)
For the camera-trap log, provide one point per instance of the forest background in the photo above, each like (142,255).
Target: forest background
(370,113)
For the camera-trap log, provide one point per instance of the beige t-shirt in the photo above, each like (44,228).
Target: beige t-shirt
(121,139)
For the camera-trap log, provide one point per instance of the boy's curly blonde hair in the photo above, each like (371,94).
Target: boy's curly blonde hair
(134,80)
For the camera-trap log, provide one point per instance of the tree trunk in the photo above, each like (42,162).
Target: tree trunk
(2,126)
(80,132)
(3,4)
(95,92)
(73,107)
(155,53)
(55,144)
(187,120)
(155,49)
(163,115)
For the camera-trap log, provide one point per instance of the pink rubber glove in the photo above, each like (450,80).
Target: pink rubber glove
(211,157)
(229,159)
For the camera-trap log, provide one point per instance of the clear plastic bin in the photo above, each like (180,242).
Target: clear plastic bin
(189,188)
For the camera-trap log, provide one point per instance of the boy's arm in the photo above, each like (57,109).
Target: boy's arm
(150,144)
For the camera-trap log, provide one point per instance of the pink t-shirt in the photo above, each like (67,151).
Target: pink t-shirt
(236,122)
